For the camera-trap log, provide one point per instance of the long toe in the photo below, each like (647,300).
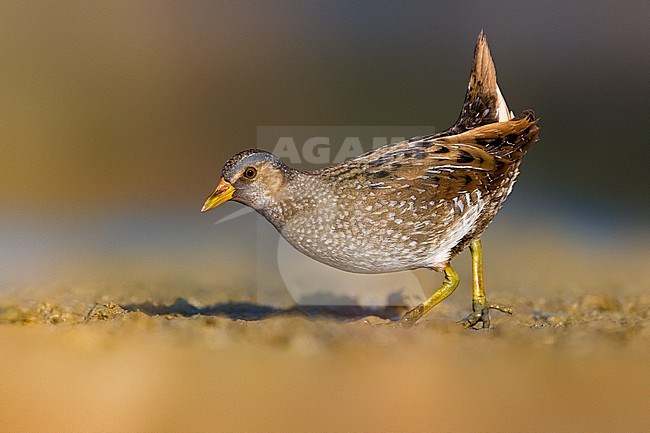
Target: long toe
(412,316)
(481,315)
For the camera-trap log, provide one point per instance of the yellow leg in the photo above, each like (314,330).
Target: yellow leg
(448,287)
(478,289)
(480,306)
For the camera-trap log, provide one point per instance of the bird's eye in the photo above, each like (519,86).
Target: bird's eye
(250,173)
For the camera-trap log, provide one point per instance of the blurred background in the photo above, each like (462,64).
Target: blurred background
(117,118)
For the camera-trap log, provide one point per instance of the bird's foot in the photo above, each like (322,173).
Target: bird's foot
(481,314)
(412,316)
(448,287)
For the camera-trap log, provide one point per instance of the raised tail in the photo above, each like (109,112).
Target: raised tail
(508,141)
(484,102)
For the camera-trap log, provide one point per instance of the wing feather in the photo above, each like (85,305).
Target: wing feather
(441,167)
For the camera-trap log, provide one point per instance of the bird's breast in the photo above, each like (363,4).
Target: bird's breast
(368,233)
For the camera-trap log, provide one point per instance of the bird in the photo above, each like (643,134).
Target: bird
(412,204)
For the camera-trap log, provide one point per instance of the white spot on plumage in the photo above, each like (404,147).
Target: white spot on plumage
(460,204)
(502,107)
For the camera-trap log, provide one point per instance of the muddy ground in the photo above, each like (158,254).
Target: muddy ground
(124,363)
(112,354)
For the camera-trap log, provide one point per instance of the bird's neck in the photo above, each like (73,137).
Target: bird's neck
(303,192)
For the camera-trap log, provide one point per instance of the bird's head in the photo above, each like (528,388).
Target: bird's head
(252,177)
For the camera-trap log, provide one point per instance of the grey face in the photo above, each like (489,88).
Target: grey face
(257,176)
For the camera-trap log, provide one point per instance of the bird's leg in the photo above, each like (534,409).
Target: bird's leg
(448,287)
(480,306)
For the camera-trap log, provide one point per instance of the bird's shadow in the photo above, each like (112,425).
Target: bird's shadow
(251,311)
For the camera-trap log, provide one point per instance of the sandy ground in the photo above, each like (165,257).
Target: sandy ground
(573,358)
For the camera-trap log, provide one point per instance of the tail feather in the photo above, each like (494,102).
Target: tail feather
(484,102)
(508,141)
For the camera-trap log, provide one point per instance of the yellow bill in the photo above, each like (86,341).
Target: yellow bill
(220,195)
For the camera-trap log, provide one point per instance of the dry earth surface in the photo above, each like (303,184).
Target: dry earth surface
(95,358)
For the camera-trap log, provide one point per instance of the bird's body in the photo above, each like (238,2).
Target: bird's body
(404,206)
(407,205)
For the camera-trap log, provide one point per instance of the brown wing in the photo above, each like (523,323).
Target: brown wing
(507,141)
(446,166)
